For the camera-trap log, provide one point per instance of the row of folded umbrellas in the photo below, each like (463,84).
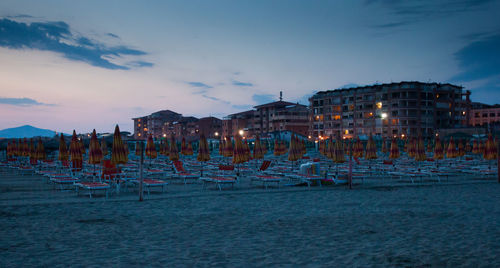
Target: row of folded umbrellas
(241,153)
(414,147)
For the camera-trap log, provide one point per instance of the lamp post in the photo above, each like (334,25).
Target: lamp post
(141,172)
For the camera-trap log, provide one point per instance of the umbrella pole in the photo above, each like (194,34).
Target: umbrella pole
(141,179)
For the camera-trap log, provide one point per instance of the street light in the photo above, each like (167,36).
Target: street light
(384,115)
(216,134)
(241,132)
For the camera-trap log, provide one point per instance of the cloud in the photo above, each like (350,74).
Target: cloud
(198,84)
(241,84)
(413,11)
(58,37)
(479,59)
(263,98)
(242,107)
(25,102)
(350,85)
(113,35)
(215,99)
(139,63)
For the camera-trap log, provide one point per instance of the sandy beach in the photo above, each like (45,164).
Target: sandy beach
(453,224)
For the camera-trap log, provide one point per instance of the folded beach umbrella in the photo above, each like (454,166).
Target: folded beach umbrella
(228,147)
(429,146)
(203,152)
(481,147)
(438,149)
(40,151)
(420,150)
(104,148)
(451,151)
(138,145)
(151,148)
(18,151)
(246,148)
(183,146)
(475,147)
(338,156)
(82,146)
(9,149)
(95,152)
(461,148)
(371,149)
(358,149)
(490,148)
(221,146)
(331,147)
(468,147)
(384,146)
(119,153)
(394,152)
(258,152)
(238,156)
(75,152)
(63,150)
(33,155)
(276,147)
(412,147)
(174,152)
(189,150)
(293,150)
(26,147)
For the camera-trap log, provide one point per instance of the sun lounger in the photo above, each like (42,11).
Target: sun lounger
(266,180)
(92,187)
(219,181)
(61,181)
(149,183)
(182,173)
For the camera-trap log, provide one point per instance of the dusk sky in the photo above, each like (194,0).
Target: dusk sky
(81,65)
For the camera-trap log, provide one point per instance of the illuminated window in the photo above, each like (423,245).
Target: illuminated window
(145,129)
(139,134)
(336,117)
(139,125)
(346,131)
(379,105)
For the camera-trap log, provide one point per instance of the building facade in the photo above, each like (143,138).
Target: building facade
(485,115)
(266,118)
(388,110)
(166,123)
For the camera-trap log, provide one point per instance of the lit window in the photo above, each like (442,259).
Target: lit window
(379,105)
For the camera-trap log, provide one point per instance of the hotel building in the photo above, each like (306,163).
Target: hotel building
(388,110)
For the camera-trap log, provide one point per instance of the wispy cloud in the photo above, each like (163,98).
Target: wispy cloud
(262,98)
(242,107)
(23,102)
(241,84)
(58,37)
(215,99)
(479,59)
(198,84)
(413,11)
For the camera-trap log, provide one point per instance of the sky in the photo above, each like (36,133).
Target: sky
(82,65)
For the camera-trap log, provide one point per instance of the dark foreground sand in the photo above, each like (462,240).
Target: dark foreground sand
(438,225)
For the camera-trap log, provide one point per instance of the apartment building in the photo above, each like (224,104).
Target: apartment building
(388,110)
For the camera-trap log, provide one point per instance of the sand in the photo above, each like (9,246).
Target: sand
(452,224)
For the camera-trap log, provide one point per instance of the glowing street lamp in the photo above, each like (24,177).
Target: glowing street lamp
(241,132)
(216,134)
(384,115)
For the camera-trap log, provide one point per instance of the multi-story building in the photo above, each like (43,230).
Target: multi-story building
(154,123)
(484,115)
(405,108)
(233,124)
(270,117)
(210,126)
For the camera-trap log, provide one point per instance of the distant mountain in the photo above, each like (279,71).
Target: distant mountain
(26,131)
